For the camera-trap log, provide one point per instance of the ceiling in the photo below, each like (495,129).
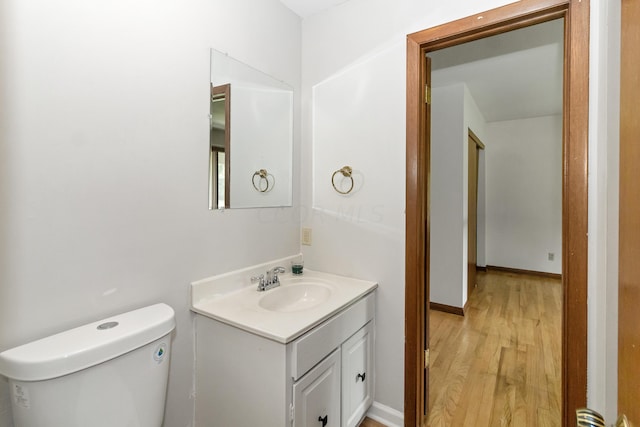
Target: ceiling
(304,8)
(510,76)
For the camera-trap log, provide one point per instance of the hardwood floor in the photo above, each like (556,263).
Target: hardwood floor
(368,422)
(500,365)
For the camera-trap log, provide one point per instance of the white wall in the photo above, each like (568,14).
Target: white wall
(604,119)
(610,144)
(361,235)
(104,163)
(346,38)
(363,41)
(447,217)
(524,193)
(453,113)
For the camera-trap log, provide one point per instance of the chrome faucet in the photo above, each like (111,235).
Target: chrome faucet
(271,281)
(272,276)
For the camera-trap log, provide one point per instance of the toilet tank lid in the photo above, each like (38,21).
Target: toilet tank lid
(87,345)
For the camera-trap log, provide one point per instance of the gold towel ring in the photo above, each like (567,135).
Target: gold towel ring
(346,172)
(263,176)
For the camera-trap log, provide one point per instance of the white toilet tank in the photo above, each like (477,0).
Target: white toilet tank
(110,373)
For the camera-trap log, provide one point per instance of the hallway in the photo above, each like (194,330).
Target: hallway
(499,365)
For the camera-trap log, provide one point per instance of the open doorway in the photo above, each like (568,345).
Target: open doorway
(574,194)
(501,362)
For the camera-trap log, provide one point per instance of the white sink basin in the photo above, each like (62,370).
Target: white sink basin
(302,296)
(281,314)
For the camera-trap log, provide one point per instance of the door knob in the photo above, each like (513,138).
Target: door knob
(623,421)
(589,417)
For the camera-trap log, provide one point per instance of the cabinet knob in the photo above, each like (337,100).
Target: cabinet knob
(361,376)
(324,420)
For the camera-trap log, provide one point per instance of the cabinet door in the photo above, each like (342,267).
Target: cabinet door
(316,396)
(357,376)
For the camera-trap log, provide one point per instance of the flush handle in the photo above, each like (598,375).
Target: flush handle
(324,420)
(361,376)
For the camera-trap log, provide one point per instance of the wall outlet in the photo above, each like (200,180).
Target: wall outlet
(551,256)
(306,236)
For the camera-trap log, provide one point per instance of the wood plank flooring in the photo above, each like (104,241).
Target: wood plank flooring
(500,364)
(368,422)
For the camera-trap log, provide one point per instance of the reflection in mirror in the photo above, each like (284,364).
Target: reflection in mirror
(219,148)
(251,137)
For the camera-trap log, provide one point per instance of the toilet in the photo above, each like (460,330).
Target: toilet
(110,373)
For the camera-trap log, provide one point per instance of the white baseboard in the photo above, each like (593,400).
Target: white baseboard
(386,415)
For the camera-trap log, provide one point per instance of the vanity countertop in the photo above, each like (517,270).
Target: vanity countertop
(283,313)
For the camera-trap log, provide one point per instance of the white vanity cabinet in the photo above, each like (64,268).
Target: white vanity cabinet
(323,377)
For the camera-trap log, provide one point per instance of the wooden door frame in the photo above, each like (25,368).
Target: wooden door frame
(574,188)
(629,203)
(478,145)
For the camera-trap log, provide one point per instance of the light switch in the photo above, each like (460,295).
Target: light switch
(306,236)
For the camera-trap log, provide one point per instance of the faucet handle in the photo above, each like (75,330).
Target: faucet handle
(272,275)
(259,280)
(276,270)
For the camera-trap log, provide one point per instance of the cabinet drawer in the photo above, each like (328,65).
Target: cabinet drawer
(308,350)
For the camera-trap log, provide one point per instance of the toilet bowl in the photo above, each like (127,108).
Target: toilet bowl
(110,373)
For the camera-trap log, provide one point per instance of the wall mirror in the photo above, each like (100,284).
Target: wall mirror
(251,137)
